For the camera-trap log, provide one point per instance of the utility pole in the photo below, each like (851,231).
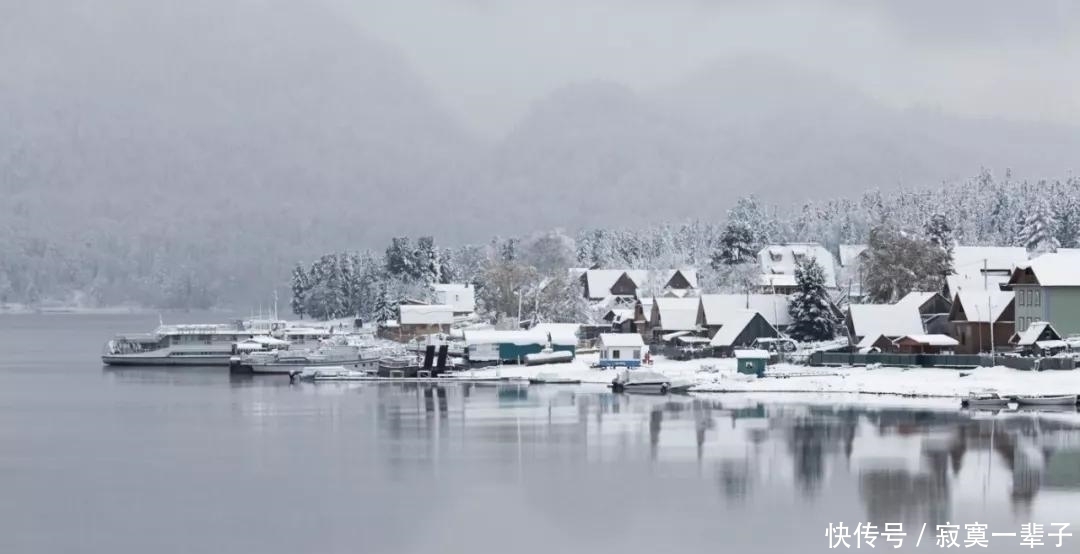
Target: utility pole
(990,309)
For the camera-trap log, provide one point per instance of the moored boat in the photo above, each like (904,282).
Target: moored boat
(552,379)
(1046,400)
(985,400)
(641,381)
(198,344)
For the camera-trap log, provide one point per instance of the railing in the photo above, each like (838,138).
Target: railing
(939,360)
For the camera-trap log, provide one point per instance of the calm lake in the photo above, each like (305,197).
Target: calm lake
(195,460)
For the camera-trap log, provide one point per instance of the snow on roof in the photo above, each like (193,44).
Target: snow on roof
(983,306)
(678,314)
(493,336)
(751,355)
(426,314)
(916,298)
(773,307)
(957,283)
(732,327)
(849,253)
(693,340)
(777,280)
(1051,344)
(891,320)
(931,340)
(621,340)
(563,334)
(600,281)
(619,315)
(675,335)
(1031,335)
(1057,269)
(869,340)
(780,260)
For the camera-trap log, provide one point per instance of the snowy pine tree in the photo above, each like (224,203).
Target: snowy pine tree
(386,306)
(1038,233)
(812,318)
(736,246)
(940,235)
(300,287)
(425,261)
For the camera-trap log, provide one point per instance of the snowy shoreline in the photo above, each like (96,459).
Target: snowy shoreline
(929,383)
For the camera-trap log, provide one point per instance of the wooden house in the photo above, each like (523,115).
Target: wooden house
(981,320)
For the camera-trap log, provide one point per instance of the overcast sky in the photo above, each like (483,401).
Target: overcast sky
(489,59)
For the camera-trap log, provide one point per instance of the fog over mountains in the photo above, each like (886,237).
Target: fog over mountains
(146,146)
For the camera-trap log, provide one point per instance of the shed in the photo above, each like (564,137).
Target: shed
(926,344)
(891,320)
(752,361)
(878,341)
(1039,331)
(620,349)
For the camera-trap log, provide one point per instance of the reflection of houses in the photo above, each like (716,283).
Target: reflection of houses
(980,319)
(778,262)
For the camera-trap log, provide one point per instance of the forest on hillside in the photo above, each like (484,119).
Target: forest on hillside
(910,234)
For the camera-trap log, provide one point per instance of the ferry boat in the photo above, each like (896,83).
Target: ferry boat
(197,344)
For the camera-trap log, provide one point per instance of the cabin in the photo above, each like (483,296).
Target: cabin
(422,319)
(981,320)
(891,320)
(875,343)
(716,308)
(933,308)
(601,284)
(620,349)
(671,315)
(1039,338)
(489,346)
(752,362)
(778,263)
(462,296)
(925,344)
(741,329)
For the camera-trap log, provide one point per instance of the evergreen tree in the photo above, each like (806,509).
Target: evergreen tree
(400,258)
(425,261)
(736,246)
(300,287)
(1038,233)
(940,235)
(810,308)
(386,306)
(898,262)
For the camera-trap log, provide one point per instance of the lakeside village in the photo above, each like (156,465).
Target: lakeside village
(1001,317)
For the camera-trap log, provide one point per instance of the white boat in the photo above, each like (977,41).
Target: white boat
(197,344)
(283,362)
(641,381)
(1046,400)
(985,400)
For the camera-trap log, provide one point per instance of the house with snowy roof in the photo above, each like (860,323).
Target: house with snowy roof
(890,320)
(462,296)
(1047,288)
(423,319)
(740,329)
(778,263)
(933,308)
(672,315)
(600,284)
(982,320)
(716,308)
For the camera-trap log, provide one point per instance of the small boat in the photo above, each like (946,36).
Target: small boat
(641,381)
(985,400)
(1046,400)
(552,379)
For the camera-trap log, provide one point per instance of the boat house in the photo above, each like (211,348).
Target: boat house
(620,349)
(492,346)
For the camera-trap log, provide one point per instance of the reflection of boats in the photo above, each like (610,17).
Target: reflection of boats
(552,379)
(1048,400)
(985,400)
(642,381)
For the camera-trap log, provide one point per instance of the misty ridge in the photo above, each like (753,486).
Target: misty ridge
(147,152)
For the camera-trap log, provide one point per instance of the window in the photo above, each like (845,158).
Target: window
(615,354)
(637,354)
(1021,299)
(1038,297)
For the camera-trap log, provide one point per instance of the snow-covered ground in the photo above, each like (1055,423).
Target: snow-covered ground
(945,383)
